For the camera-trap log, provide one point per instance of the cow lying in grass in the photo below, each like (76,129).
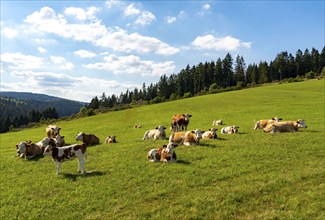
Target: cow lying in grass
(165,154)
(28,150)
(229,130)
(157,134)
(61,154)
(211,134)
(88,139)
(285,126)
(110,139)
(263,123)
(193,137)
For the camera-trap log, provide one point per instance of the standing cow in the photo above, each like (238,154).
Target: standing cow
(180,122)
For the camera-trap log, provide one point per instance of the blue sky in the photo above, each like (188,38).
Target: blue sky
(80,49)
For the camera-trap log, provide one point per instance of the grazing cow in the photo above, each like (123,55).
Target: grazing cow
(61,154)
(177,137)
(217,122)
(211,134)
(60,142)
(229,130)
(285,126)
(165,154)
(137,126)
(28,150)
(88,139)
(52,131)
(263,123)
(110,139)
(180,122)
(157,133)
(193,137)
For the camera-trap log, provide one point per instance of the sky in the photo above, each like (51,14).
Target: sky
(79,49)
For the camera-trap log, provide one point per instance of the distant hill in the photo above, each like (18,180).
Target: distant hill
(16,103)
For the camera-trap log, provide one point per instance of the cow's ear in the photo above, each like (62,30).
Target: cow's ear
(273,119)
(59,129)
(156,127)
(62,136)
(52,129)
(209,129)
(175,145)
(16,146)
(280,118)
(193,132)
(164,128)
(164,145)
(109,136)
(189,115)
(298,122)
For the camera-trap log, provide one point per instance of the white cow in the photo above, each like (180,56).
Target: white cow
(156,134)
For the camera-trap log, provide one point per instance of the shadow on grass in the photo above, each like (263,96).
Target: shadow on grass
(73,177)
(183,162)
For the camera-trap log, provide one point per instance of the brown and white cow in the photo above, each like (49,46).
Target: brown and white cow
(193,137)
(52,131)
(156,134)
(285,126)
(110,139)
(88,139)
(165,154)
(263,123)
(28,150)
(137,126)
(177,137)
(60,142)
(229,130)
(61,154)
(180,122)
(211,134)
(217,122)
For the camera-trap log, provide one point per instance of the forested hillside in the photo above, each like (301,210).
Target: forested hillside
(19,109)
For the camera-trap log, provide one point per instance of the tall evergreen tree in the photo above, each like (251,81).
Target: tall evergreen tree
(240,67)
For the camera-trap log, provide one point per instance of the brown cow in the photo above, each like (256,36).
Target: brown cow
(52,131)
(88,139)
(180,122)
(165,154)
(285,126)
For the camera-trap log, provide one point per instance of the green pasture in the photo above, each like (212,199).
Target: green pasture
(251,175)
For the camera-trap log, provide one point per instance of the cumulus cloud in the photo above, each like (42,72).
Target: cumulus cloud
(170,19)
(47,21)
(21,61)
(9,32)
(41,50)
(81,14)
(131,10)
(133,65)
(61,62)
(145,18)
(211,42)
(84,54)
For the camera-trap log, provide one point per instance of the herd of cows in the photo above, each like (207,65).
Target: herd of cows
(54,144)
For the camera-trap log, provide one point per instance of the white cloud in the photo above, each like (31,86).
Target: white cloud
(10,32)
(41,50)
(84,53)
(227,43)
(112,3)
(206,7)
(21,61)
(82,14)
(170,19)
(63,64)
(131,10)
(145,18)
(133,65)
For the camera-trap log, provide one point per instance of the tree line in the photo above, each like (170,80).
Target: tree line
(12,115)
(218,76)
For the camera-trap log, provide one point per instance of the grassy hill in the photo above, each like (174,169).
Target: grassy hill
(251,175)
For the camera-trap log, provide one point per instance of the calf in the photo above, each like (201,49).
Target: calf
(52,131)
(285,126)
(263,123)
(229,130)
(157,133)
(177,137)
(180,122)
(61,154)
(110,139)
(193,137)
(217,122)
(88,139)
(211,134)
(165,154)
(60,140)
(28,150)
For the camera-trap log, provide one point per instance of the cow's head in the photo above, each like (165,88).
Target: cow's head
(55,130)
(269,128)
(170,147)
(49,148)
(187,116)
(234,129)
(22,148)
(80,136)
(277,119)
(301,123)
(112,139)
(59,139)
(257,125)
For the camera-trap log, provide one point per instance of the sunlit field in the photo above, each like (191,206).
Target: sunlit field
(250,175)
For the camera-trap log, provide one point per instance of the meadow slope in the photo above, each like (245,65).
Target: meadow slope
(251,175)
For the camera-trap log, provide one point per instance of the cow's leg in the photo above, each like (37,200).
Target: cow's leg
(58,164)
(82,165)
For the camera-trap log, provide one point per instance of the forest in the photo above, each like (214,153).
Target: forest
(218,76)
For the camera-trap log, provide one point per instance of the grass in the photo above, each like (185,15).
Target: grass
(251,175)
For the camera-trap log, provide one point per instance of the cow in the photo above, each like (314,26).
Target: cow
(110,139)
(229,130)
(164,154)
(61,154)
(193,137)
(137,126)
(52,131)
(177,137)
(263,123)
(43,143)
(211,134)
(156,134)
(180,122)
(28,150)
(59,140)
(217,122)
(88,139)
(285,126)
